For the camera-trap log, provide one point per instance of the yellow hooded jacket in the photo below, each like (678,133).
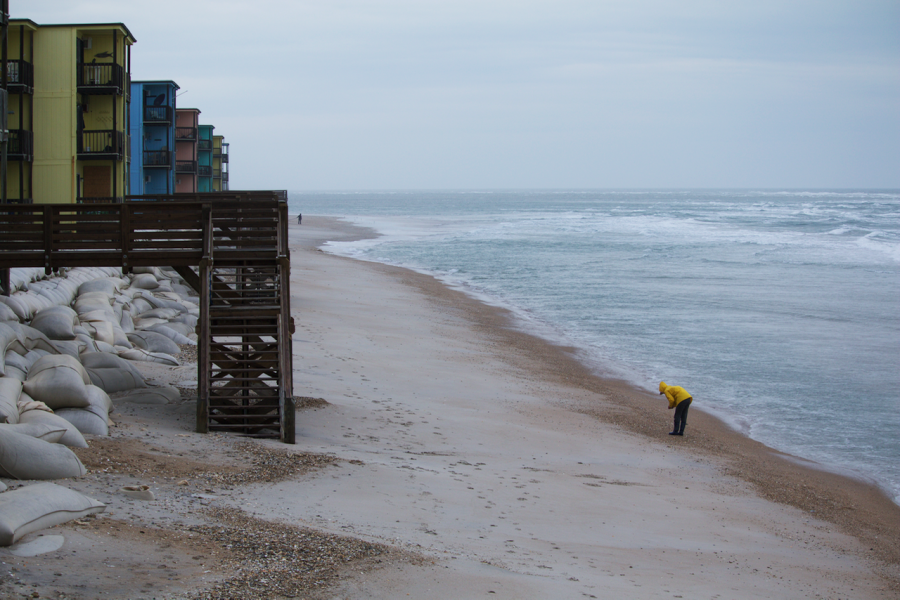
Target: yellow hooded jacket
(674,394)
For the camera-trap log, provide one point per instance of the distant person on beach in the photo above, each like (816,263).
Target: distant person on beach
(299,218)
(680,400)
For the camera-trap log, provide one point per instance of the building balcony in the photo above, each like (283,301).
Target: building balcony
(21,145)
(185,134)
(100,200)
(100,144)
(225,176)
(204,171)
(101,78)
(20,77)
(217,174)
(204,144)
(224,158)
(185,166)
(158,158)
(158,114)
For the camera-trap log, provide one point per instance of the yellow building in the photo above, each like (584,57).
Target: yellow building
(217,163)
(77,114)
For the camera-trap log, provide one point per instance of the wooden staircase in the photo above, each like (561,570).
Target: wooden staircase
(231,247)
(246,382)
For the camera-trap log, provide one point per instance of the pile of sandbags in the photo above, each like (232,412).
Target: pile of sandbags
(67,343)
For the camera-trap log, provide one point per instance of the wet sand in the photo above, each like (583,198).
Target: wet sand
(443,454)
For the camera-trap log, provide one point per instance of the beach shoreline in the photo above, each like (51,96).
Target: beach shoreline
(857,506)
(441,452)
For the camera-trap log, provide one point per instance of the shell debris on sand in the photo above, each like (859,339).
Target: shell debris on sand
(282,561)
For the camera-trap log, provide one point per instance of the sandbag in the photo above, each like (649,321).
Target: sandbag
(159,313)
(115,380)
(10,390)
(24,457)
(41,431)
(54,361)
(108,285)
(7,314)
(140,305)
(15,373)
(151,395)
(71,438)
(32,339)
(147,356)
(9,341)
(162,302)
(56,322)
(85,421)
(127,322)
(59,381)
(18,309)
(145,281)
(154,342)
(172,334)
(71,347)
(36,507)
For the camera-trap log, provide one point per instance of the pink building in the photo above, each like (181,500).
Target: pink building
(187,122)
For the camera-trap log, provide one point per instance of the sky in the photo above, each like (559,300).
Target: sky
(527,94)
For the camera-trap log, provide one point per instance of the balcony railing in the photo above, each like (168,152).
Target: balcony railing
(100,200)
(158,158)
(224,158)
(225,176)
(185,133)
(204,144)
(21,145)
(204,171)
(101,78)
(185,166)
(157,114)
(101,144)
(20,76)
(217,173)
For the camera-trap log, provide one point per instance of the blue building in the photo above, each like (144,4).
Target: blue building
(152,130)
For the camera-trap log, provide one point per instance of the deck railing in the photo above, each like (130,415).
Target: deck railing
(101,144)
(101,78)
(20,76)
(21,145)
(204,171)
(185,166)
(157,114)
(158,158)
(185,133)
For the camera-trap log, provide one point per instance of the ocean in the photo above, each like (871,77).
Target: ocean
(778,310)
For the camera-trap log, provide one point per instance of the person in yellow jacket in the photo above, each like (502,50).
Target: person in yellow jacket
(680,400)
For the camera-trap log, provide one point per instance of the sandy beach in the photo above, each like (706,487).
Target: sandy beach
(441,453)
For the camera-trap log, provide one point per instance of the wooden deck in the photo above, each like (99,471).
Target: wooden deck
(231,247)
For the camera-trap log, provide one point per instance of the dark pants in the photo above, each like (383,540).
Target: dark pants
(681,415)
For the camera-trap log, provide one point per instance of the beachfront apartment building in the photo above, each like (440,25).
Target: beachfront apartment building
(205,157)
(187,125)
(19,181)
(220,164)
(152,134)
(217,163)
(68,112)
(225,166)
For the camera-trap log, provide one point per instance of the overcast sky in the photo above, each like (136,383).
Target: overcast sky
(462,94)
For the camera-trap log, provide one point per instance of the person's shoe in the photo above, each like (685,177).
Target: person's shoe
(674,433)
(680,433)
